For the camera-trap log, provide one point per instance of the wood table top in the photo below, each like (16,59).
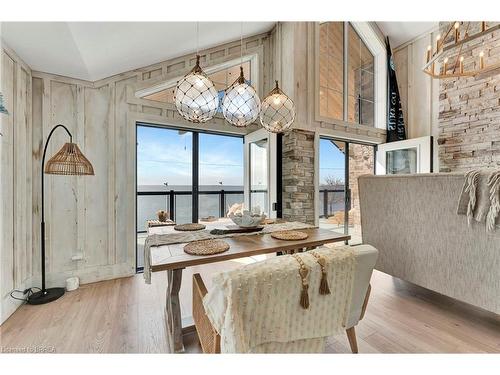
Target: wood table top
(169,257)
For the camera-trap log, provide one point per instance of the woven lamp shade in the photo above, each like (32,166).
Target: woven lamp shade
(195,96)
(241,104)
(278,111)
(69,160)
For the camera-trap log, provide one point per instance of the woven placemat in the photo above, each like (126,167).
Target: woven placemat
(289,235)
(189,227)
(206,247)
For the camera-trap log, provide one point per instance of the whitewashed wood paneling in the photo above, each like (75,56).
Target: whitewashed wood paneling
(16,179)
(419,92)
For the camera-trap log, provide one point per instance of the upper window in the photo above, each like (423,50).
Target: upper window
(346,75)
(221,79)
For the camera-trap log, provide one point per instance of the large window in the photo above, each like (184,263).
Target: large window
(346,75)
(194,176)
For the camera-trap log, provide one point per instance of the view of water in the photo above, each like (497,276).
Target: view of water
(209,204)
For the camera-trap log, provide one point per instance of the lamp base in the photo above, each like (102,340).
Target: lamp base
(46,296)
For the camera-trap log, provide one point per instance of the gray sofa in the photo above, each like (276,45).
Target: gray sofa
(412,221)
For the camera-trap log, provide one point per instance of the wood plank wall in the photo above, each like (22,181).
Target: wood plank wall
(91,217)
(16,180)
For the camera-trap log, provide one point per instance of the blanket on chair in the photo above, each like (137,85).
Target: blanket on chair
(258,308)
(480,198)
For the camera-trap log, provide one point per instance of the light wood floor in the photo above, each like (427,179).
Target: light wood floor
(126,316)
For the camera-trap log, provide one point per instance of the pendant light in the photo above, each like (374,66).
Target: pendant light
(195,95)
(278,110)
(241,104)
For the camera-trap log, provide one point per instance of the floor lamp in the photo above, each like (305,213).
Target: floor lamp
(69,160)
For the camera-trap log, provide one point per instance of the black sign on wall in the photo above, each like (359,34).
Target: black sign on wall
(395,120)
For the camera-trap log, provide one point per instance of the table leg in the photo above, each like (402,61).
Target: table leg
(173,310)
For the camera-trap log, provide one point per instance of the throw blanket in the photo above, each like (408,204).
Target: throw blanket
(480,198)
(180,237)
(256,308)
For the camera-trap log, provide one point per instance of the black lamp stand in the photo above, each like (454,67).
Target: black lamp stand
(46,295)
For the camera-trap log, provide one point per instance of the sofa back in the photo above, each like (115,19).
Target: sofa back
(412,221)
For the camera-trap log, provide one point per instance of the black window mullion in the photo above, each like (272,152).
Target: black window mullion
(347,190)
(195,178)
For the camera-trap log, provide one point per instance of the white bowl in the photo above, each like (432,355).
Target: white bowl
(247,220)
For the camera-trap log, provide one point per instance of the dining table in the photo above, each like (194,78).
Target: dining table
(173,259)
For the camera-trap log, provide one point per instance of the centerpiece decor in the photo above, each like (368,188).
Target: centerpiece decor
(247,219)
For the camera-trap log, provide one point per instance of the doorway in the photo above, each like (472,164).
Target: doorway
(341,162)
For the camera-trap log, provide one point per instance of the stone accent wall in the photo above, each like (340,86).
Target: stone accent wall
(298,176)
(361,159)
(469,110)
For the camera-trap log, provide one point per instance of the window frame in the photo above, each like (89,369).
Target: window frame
(377,48)
(170,83)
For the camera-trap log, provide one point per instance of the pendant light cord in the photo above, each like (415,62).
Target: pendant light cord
(281,54)
(241,44)
(197,38)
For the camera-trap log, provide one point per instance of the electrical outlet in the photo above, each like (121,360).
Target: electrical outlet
(77,256)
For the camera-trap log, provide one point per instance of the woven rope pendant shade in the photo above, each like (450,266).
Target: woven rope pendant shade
(195,96)
(278,111)
(241,104)
(69,160)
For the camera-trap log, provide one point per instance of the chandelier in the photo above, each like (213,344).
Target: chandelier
(278,111)
(451,62)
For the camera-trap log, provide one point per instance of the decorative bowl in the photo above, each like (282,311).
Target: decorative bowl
(247,219)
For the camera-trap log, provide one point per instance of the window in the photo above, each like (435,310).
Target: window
(360,81)
(331,76)
(192,175)
(221,79)
(346,75)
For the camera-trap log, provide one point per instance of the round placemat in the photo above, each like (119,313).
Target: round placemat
(289,235)
(189,227)
(206,247)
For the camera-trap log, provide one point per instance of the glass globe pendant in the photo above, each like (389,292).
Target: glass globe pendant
(278,111)
(195,96)
(241,104)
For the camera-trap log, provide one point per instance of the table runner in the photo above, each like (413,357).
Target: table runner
(182,237)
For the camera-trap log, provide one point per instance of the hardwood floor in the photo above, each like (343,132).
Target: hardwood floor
(127,316)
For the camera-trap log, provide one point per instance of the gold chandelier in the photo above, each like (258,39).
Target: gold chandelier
(451,63)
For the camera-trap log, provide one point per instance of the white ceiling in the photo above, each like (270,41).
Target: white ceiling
(96,50)
(402,32)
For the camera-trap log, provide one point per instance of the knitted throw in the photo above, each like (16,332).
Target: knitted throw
(258,306)
(480,198)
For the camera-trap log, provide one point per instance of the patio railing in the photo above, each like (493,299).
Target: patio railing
(331,201)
